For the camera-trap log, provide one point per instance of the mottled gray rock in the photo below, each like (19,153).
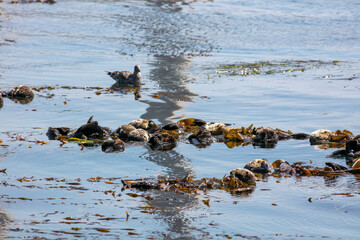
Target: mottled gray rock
(259,166)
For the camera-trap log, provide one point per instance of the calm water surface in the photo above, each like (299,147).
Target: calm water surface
(311,49)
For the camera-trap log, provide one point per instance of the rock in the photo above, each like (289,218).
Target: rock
(162,141)
(55,133)
(123,132)
(201,138)
(265,137)
(259,166)
(113,146)
(91,130)
(335,167)
(300,136)
(140,135)
(320,136)
(143,124)
(244,175)
(217,128)
(127,78)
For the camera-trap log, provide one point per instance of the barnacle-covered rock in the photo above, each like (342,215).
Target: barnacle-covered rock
(259,166)
(244,175)
(56,133)
(113,146)
(143,124)
(321,136)
(265,137)
(140,135)
(91,130)
(217,128)
(162,141)
(201,138)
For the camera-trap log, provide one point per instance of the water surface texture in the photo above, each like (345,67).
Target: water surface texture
(293,65)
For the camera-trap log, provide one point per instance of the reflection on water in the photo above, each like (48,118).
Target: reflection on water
(168,73)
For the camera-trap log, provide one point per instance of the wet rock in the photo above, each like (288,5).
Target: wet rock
(244,175)
(110,146)
(265,137)
(320,136)
(300,136)
(123,132)
(259,166)
(91,130)
(201,138)
(162,141)
(140,135)
(335,167)
(217,128)
(56,133)
(143,124)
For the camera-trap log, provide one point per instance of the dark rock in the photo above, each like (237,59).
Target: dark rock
(201,138)
(335,167)
(55,133)
(265,137)
(162,141)
(300,136)
(259,166)
(91,130)
(113,146)
(244,175)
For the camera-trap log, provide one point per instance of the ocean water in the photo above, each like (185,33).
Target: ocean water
(293,65)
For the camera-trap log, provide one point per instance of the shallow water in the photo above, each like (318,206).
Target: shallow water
(309,79)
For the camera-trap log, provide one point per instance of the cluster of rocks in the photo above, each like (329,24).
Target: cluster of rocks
(21,94)
(200,134)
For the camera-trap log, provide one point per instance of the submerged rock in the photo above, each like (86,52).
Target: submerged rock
(113,146)
(140,135)
(56,133)
(320,136)
(244,175)
(162,141)
(259,166)
(91,130)
(201,138)
(265,137)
